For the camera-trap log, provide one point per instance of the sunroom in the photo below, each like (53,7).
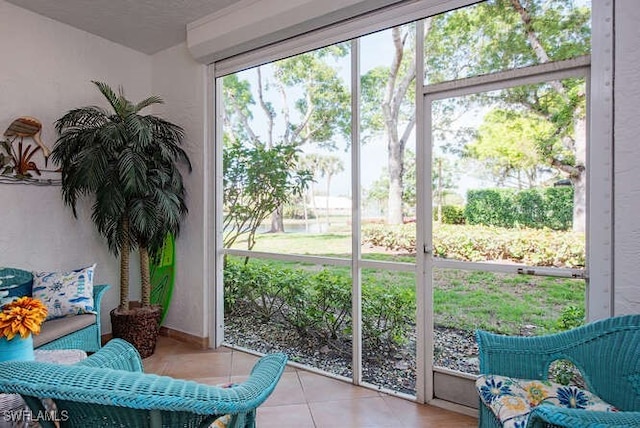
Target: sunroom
(392,237)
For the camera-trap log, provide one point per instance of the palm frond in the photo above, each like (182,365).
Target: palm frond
(154,99)
(110,95)
(85,117)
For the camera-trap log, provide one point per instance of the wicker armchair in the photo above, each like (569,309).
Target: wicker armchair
(607,352)
(108,389)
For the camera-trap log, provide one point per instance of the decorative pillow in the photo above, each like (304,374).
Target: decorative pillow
(512,399)
(65,293)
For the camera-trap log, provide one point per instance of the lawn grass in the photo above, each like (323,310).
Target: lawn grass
(467,300)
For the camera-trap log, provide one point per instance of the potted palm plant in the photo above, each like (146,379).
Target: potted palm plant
(130,163)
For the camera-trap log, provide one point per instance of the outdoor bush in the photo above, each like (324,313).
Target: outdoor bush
(259,286)
(233,287)
(332,302)
(490,207)
(533,247)
(298,310)
(530,210)
(550,207)
(386,314)
(559,204)
(318,304)
(571,317)
(451,214)
(392,237)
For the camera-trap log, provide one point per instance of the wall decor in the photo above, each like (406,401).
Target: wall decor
(17,162)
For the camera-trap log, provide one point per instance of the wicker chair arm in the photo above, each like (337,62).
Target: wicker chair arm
(98,293)
(104,386)
(116,354)
(545,416)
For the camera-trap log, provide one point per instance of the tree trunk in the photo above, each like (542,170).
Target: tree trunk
(578,172)
(395,91)
(396,161)
(314,208)
(277,222)
(327,200)
(305,211)
(579,177)
(145,277)
(124,266)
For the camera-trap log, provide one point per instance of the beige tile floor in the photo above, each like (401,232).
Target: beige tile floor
(302,399)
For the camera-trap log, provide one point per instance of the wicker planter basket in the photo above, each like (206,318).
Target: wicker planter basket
(139,326)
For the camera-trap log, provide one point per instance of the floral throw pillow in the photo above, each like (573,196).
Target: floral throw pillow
(512,399)
(65,293)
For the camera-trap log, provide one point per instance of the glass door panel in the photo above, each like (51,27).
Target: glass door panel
(508,170)
(389,329)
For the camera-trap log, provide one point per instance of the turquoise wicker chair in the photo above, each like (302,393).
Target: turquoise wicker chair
(108,389)
(607,353)
(15,282)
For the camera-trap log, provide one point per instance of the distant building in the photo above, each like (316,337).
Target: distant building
(336,205)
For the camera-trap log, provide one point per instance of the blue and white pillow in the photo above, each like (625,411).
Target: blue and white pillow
(65,293)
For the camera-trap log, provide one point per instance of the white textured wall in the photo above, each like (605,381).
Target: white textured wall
(180,81)
(627,158)
(46,70)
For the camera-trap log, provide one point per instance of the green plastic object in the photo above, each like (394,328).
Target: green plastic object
(162,271)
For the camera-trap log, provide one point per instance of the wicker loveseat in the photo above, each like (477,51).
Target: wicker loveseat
(76,332)
(72,332)
(108,389)
(607,353)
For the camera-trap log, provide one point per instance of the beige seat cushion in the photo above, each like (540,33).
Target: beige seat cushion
(55,329)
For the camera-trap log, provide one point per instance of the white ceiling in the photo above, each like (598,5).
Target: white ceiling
(147,26)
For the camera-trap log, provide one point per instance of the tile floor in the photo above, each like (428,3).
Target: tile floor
(302,399)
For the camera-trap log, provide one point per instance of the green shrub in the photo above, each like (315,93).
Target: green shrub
(298,301)
(392,237)
(258,287)
(318,304)
(534,247)
(331,304)
(571,317)
(387,314)
(490,207)
(550,207)
(559,204)
(451,214)
(530,210)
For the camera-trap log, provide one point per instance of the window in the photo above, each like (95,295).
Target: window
(356,202)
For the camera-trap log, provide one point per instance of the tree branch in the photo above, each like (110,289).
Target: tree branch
(536,45)
(305,121)
(267,111)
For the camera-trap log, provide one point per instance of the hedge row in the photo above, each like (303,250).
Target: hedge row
(551,207)
(480,243)
(318,303)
